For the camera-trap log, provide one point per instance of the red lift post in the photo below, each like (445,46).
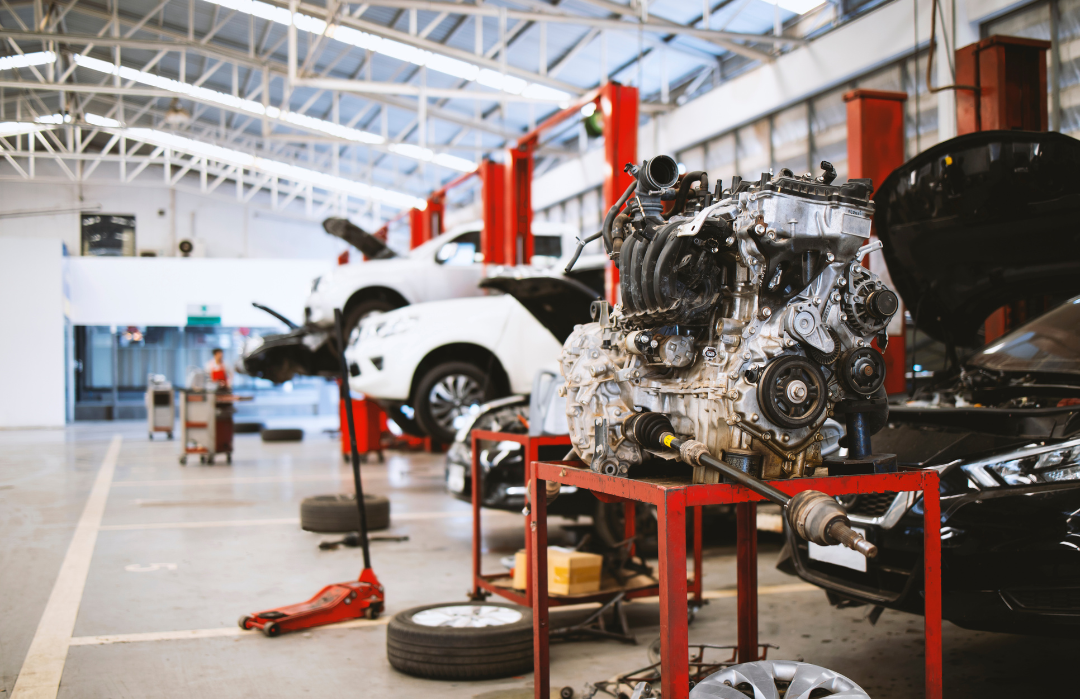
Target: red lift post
(1009,74)
(618,104)
(875,126)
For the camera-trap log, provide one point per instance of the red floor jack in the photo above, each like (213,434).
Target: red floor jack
(348,600)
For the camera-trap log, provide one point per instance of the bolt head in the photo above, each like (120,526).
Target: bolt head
(760,228)
(766,312)
(830,257)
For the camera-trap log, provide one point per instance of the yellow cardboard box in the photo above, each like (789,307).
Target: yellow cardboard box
(573,572)
(569,572)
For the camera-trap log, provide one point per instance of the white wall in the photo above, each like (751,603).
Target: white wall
(32,323)
(163,217)
(157,291)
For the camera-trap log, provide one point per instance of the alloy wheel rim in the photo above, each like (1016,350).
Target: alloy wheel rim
(467,616)
(452,396)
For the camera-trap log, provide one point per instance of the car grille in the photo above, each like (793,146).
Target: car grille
(872,504)
(1063,599)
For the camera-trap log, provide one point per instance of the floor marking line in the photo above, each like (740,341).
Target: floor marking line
(43,667)
(226,632)
(402,517)
(244,480)
(229,632)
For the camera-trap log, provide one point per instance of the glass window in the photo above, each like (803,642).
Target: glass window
(720,159)
(460,251)
(790,139)
(692,158)
(1069,76)
(828,127)
(753,149)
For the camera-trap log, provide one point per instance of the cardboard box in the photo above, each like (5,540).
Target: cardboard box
(573,572)
(521,570)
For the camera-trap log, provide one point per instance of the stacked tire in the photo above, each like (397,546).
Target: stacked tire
(461,641)
(338,514)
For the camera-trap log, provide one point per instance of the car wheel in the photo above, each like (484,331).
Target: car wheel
(461,641)
(337,513)
(357,313)
(766,678)
(447,392)
(285,434)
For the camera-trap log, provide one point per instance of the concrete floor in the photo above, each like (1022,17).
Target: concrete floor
(183,549)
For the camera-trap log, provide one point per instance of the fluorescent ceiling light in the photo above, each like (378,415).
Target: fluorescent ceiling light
(27,59)
(56,119)
(798,7)
(14,128)
(256,108)
(288,171)
(404,52)
(453,162)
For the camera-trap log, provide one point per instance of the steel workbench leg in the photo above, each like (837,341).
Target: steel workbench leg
(932,582)
(746,564)
(697,555)
(674,637)
(538,568)
(532,454)
(630,525)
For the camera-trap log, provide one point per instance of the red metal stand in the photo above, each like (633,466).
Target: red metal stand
(875,121)
(671,498)
(484,584)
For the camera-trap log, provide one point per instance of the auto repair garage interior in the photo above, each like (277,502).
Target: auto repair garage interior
(696,350)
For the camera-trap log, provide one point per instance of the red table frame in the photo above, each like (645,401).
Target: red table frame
(484,584)
(671,498)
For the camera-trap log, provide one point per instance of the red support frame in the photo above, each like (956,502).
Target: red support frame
(493,199)
(672,499)
(875,121)
(619,107)
(484,583)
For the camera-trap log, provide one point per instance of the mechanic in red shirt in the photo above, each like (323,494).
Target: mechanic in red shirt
(217,372)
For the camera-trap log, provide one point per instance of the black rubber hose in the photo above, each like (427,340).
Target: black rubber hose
(580,246)
(684,189)
(613,212)
(605,231)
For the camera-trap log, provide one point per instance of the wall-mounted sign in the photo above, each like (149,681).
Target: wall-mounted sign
(108,234)
(203,314)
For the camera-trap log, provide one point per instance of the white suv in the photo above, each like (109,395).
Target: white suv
(448,266)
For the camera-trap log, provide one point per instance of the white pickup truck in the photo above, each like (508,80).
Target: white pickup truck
(446,267)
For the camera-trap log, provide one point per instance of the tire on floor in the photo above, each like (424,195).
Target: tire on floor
(283,435)
(337,513)
(425,642)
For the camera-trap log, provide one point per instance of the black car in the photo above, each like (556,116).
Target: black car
(974,223)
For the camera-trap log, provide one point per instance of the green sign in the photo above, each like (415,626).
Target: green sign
(203,314)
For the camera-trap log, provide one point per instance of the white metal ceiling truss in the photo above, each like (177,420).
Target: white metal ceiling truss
(352,108)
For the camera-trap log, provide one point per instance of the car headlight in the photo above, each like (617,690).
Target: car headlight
(377,327)
(1028,466)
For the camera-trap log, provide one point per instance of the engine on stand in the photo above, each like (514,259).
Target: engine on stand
(746,321)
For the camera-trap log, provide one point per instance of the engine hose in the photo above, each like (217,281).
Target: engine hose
(612,213)
(618,233)
(582,242)
(684,189)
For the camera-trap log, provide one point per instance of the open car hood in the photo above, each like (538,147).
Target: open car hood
(979,221)
(557,302)
(369,245)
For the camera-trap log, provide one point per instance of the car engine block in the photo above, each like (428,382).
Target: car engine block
(746,317)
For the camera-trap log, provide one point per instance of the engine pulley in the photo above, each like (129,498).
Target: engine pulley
(862,370)
(792,391)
